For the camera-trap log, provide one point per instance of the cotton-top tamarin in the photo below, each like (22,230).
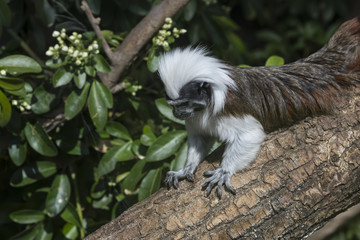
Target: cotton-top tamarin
(238,105)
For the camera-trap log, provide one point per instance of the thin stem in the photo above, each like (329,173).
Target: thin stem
(26,47)
(78,204)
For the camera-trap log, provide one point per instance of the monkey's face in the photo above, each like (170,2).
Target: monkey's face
(193,97)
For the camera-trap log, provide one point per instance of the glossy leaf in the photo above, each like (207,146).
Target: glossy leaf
(11,84)
(31,173)
(75,102)
(115,154)
(153,59)
(103,203)
(148,137)
(101,65)
(39,140)
(165,146)
(105,93)
(98,189)
(150,183)
(27,216)
(97,107)
(5,110)
(58,196)
(274,61)
(90,70)
(80,80)
(43,102)
(118,130)
(46,232)
(70,215)
(70,231)
(61,77)
(17,150)
(19,64)
(136,174)
(190,10)
(166,110)
(180,159)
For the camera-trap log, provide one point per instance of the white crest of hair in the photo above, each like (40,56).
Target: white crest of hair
(181,66)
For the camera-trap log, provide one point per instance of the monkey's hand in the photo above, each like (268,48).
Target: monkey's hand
(173,177)
(218,177)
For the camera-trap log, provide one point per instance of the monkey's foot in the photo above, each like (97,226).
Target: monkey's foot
(218,177)
(173,177)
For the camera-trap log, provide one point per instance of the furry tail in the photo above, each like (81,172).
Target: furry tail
(342,52)
(284,94)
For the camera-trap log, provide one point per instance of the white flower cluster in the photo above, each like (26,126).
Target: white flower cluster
(75,51)
(166,35)
(3,72)
(21,104)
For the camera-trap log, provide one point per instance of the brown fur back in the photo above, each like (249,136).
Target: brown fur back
(278,96)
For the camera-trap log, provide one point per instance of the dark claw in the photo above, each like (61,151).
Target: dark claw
(172,178)
(189,177)
(217,177)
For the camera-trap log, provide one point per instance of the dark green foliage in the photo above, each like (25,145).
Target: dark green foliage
(73,155)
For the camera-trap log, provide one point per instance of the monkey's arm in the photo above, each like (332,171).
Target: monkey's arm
(243,137)
(198,147)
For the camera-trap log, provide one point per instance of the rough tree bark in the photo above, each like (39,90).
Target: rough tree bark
(304,175)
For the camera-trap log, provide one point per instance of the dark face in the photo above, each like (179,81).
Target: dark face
(193,97)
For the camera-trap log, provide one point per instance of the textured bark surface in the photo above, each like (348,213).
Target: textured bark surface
(304,175)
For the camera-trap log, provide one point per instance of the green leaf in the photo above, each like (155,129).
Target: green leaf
(148,137)
(61,77)
(43,100)
(118,130)
(52,63)
(90,70)
(150,183)
(46,232)
(136,174)
(165,146)
(80,80)
(19,64)
(29,233)
(97,107)
(39,140)
(17,150)
(101,65)
(70,215)
(105,94)
(180,159)
(70,231)
(274,61)
(115,154)
(190,10)
(103,203)
(166,110)
(58,196)
(31,173)
(5,110)
(98,189)
(27,216)
(9,83)
(153,59)
(5,14)
(244,66)
(75,102)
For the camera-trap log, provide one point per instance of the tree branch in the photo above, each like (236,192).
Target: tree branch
(95,25)
(122,57)
(303,176)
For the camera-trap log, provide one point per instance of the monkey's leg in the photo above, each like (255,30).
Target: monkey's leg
(198,147)
(243,138)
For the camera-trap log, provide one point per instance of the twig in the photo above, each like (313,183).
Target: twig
(135,40)
(95,25)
